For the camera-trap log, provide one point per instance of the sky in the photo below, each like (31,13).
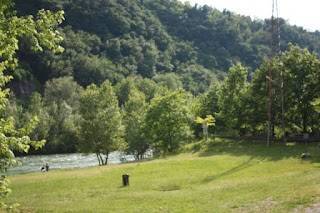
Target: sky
(304,13)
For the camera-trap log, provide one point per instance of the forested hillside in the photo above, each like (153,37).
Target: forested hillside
(135,74)
(113,39)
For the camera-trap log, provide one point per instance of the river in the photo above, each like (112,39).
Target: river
(33,163)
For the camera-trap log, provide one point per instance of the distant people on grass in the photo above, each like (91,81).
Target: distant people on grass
(45,168)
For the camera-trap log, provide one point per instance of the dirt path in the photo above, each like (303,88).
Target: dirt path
(312,209)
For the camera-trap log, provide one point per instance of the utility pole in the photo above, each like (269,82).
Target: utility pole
(274,50)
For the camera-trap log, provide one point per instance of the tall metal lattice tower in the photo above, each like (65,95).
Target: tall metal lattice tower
(274,51)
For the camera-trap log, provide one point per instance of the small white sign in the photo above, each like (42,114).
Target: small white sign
(205,128)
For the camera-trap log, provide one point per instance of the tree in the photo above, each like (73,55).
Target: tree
(256,100)
(148,87)
(101,129)
(231,98)
(133,105)
(316,105)
(196,78)
(61,96)
(168,121)
(147,66)
(301,85)
(169,80)
(93,69)
(134,112)
(36,108)
(41,33)
(123,89)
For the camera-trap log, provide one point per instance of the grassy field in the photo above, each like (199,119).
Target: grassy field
(220,176)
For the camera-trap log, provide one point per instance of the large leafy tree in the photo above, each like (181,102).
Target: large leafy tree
(123,89)
(148,87)
(40,31)
(134,118)
(168,121)
(301,86)
(61,97)
(231,98)
(101,129)
(298,87)
(257,101)
(21,115)
(316,106)
(133,105)
(36,107)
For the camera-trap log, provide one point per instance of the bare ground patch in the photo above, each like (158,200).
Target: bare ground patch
(260,206)
(315,208)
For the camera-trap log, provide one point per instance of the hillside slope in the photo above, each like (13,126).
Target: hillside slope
(109,39)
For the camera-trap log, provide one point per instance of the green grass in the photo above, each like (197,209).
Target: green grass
(220,176)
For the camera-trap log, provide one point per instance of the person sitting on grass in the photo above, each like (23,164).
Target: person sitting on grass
(45,168)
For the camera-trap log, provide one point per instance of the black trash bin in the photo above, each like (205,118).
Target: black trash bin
(125,180)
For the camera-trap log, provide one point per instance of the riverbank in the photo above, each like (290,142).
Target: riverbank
(220,176)
(33,163)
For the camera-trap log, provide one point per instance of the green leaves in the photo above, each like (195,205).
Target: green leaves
(209,120)
(101,129)
(168,121)
(41,33)
(44,30)
(301,85)
(231,97)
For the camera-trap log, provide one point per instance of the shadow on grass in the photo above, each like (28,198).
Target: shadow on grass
(254,149)
(242,166)
(144,160)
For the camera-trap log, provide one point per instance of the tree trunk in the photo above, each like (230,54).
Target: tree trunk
(101,160)
(107,157)
(98,158)
(305,117)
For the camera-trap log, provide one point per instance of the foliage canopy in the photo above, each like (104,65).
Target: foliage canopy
(40,31)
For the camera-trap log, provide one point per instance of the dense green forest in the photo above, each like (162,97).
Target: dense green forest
(135,74)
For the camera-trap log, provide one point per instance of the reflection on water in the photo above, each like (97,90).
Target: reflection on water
(64,161)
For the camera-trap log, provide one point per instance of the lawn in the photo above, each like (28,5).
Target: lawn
(212,176)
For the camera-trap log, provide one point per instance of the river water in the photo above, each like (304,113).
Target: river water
(34,163)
